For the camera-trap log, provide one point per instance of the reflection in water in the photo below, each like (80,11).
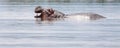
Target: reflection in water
(49,21)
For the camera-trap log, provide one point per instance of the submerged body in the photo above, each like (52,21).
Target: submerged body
(87,16)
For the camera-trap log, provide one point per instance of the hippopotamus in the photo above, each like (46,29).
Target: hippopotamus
(49,13)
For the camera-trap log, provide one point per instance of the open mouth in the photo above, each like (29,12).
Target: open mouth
(37,16)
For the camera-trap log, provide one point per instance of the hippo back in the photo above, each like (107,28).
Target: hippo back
(58,14)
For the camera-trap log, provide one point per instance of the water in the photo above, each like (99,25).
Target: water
(18,28)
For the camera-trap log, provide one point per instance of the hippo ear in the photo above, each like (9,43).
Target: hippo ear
(52,11)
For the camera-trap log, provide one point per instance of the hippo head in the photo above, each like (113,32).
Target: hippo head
(43,13)
(38,11)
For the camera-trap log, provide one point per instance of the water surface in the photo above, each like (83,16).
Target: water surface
(18,28)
